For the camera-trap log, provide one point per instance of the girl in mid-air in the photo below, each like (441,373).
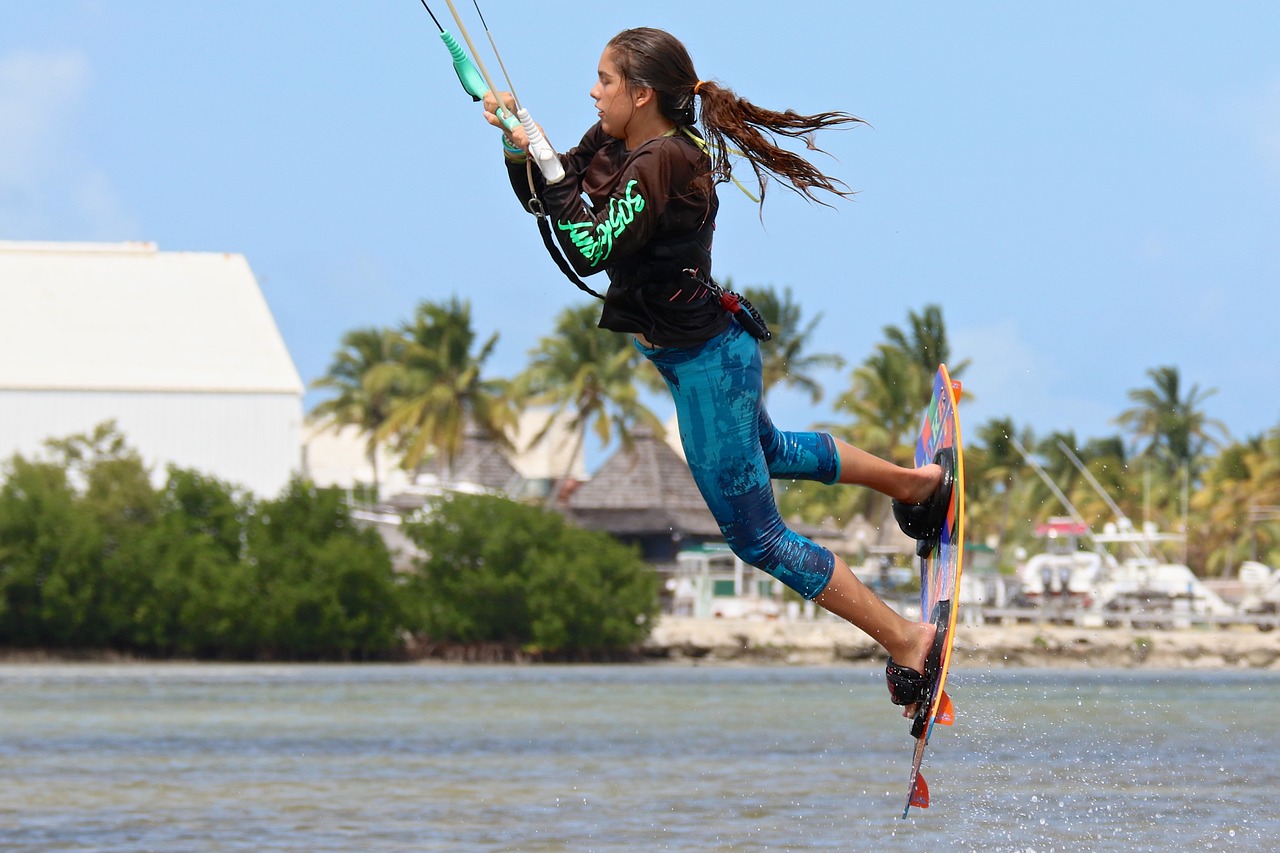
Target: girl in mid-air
(649,167)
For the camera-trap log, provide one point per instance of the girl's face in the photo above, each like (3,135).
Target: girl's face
(612,97)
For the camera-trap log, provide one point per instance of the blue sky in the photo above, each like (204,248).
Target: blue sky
(1088,189)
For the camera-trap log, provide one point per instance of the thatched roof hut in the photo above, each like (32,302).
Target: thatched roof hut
(645,494)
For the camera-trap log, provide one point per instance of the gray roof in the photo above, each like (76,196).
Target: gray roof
(647,489)
(481,461)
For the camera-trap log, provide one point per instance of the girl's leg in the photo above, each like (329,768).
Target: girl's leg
(906,642)
(908,485)
(821,457)
(733,451)
(717,390)
(809,456)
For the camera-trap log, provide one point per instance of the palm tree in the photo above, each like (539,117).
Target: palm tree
(884,408)
(885,404)
(1108,461)
(785,361)
(925,345)
(891,389)
(440,387)
(1105,461)
(590,373)
(1170,428)
(996,470)
(359,374)
(1059,468)
(1238,506)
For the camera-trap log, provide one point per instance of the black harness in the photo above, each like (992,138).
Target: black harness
(736,304)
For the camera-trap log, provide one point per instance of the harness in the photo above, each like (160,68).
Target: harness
(736,304)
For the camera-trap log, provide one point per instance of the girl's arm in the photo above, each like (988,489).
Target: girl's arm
(574,161)
(597,237)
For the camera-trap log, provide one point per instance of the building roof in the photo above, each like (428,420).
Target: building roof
(481,461)
(127,317)
(645,490)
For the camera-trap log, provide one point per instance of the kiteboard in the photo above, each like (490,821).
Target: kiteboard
(940,566)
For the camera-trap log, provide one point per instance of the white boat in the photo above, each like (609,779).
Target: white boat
(1124,577)
(1261,587)
(1062,573)
(1138,588)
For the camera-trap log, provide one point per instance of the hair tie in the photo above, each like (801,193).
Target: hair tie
(697,86)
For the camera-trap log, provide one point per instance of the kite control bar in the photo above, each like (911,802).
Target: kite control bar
(543,154)
(469,77)
(477,83)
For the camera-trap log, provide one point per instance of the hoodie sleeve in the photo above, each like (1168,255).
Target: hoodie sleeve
(575,163)
(613,229)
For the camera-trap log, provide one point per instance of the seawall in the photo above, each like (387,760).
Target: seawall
(826,640)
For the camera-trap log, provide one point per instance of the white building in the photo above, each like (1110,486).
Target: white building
(339,457)
(178,348)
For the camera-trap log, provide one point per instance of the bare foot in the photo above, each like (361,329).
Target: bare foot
(914,657)
(927,480)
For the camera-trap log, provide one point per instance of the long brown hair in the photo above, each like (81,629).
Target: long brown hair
(657,60)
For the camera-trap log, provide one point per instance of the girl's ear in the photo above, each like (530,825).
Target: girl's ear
(641,95)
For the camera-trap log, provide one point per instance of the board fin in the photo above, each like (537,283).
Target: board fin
(946,713)
(920,793)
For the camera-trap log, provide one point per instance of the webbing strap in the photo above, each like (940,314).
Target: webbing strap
(548,239)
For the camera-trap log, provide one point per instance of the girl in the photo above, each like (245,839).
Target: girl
(650,177)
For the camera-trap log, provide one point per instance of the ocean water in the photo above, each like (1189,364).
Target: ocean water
(169,757)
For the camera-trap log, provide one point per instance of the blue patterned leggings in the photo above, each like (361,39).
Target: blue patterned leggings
(734,450)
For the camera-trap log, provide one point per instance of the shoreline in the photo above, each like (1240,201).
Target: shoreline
(684,641)
(826,641)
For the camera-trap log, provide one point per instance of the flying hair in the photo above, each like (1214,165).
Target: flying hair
(730,125)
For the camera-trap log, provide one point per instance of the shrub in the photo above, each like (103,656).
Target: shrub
(501,572)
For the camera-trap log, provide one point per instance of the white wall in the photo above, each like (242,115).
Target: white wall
(252,440)
(338,458)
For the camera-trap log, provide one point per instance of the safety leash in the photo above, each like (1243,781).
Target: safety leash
(743,311)
(539,210)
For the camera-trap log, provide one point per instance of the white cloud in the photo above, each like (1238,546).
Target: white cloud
(1003,365)
(48,188)
(39,94)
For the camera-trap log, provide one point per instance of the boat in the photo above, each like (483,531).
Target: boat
(1261,591)
(1146,590)
(1062,573)
(1123,578)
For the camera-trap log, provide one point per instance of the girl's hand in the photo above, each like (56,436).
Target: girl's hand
(518,137)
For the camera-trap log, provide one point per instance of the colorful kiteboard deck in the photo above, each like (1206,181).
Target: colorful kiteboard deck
(939,569)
